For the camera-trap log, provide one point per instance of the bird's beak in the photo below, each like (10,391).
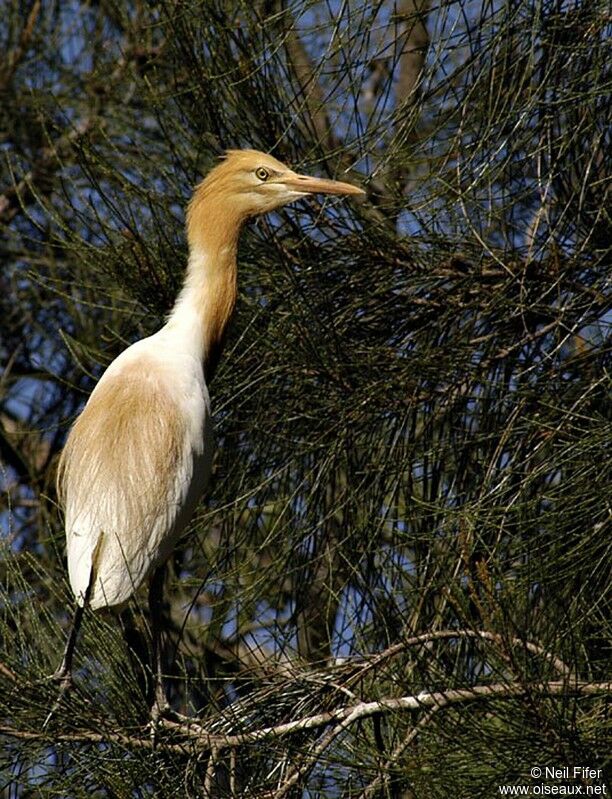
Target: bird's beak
(308,185)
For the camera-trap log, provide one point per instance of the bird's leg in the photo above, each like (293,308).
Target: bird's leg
(63,673)
(160,706)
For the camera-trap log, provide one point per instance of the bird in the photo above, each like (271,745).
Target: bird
(138,458)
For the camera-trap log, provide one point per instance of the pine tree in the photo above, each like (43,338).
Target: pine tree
(396,585)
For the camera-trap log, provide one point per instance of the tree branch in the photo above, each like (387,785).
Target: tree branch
(14,198)
(14,57)
(442,635)
(343,716)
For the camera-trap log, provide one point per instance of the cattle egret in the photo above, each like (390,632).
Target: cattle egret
(139,455)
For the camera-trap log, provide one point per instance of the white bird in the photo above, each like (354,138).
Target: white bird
(138,457)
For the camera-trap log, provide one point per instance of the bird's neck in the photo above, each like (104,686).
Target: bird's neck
(206,301)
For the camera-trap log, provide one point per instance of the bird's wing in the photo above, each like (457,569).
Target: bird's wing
(132,469)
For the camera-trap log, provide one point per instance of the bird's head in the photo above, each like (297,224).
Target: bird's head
(248,182)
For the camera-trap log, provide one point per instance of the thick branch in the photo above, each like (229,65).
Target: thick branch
(421,701)
(415,41)
(312,93)
(343,716)
(15,57)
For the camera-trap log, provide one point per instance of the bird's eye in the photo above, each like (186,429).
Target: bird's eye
(261,173)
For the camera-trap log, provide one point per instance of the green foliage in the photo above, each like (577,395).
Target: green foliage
(410,493)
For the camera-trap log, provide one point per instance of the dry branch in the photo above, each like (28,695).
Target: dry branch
(344,716)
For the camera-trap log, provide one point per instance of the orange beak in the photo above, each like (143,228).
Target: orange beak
(309,185)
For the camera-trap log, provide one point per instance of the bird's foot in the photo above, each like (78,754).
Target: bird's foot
(156,715)
(173,716)
(160,709)
(162,712)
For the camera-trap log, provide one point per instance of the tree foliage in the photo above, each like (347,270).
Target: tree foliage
(396,585)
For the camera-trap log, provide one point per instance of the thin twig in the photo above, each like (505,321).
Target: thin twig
(440,635)
(376,783)
(312,757)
